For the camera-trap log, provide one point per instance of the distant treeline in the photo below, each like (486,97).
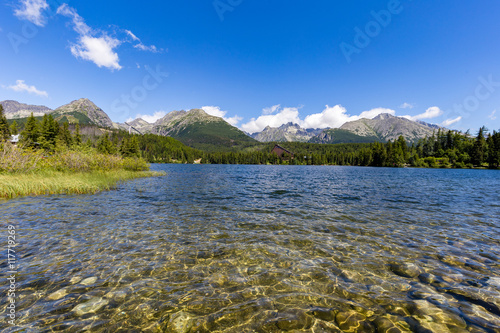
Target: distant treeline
(447,149)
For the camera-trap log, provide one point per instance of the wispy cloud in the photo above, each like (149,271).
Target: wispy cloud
(217,112)
(330,117)
(271,110)
(20,86)
(492,115)
(99,50)
(32,10)
(406,106)
(139,45)
(430,113)
(449,122)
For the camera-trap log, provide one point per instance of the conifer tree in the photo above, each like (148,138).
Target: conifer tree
(30,134)
(14,130)
(4,126)
(105,146)
(65,135)
(78,137)
(478,150)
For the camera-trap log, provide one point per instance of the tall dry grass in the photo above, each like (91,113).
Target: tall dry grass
(35,172)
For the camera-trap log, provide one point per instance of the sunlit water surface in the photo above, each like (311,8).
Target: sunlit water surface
(265,249)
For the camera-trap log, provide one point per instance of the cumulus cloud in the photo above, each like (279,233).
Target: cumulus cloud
(449,122)
(330,117)
(149,118)
(20,86)
(406,106)
(99,50)
(217,112)
(32,10)
(430,113)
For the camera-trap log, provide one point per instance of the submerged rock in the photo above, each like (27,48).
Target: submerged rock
(180,322)
(75,279)
(408,270)
(294,321)
(93,305)
(351,321)
(391,324)
(58,294)
(89,281)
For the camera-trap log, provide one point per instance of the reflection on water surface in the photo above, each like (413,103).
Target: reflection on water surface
(265,249)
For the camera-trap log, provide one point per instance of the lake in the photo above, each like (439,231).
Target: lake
(236,248)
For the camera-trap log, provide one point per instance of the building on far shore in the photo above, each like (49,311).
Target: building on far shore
(282,152)
(14,139)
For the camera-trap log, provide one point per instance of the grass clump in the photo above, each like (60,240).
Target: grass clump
(70,171)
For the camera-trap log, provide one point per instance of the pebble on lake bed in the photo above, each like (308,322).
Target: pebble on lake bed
(58,294)
(89,281)
(180,322)
(93,305)
(353,321)
(406,270)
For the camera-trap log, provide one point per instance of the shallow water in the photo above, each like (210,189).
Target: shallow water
(262,248)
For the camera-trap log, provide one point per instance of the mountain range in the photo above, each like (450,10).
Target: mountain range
(198,129)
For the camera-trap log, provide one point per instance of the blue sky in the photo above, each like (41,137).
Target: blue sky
(258,63)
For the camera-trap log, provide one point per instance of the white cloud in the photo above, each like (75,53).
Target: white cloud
(21,86)
(330,117)
(430,113)
(217,112)
(150,118)
(375,112)
(79,24)
(134,37)
(271,110)
(449,122)
(284,116)
(492,115)
(99,50)
(32,10)
(140,45)
(406,106)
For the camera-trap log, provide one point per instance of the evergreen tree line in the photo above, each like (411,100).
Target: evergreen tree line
(444,149)
(48,134)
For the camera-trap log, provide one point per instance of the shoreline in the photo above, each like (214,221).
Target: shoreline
(53,182)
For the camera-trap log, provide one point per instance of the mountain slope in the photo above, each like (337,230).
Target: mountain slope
(198,129)
(286,133)
(82,111)
(337,135)
(14,109)
(387,127)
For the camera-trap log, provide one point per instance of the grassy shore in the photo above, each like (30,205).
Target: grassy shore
(17,185)
(28,172)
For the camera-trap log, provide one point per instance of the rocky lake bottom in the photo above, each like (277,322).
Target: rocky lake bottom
(225,248)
